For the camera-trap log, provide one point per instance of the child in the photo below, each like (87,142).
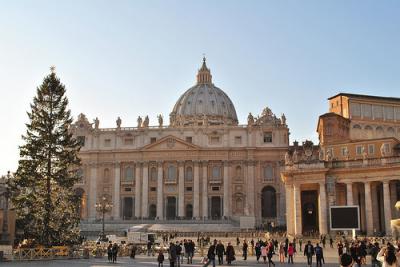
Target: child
(160,259)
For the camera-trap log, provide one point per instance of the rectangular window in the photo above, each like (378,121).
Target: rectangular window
(386,147)
(268,137)
(344,151)
(238,140)
(214,140)
(215,188)
(153,189)
(81,140)
(359,150)
(128,141)
(127,189)
(371,149)
(189,189)
(189,139)
(153,140)
(107,142)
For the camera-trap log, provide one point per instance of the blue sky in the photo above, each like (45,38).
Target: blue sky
(131,58)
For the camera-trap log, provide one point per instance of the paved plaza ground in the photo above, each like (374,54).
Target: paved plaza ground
(141,260)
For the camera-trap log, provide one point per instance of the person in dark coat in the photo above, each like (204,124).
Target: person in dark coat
(115,249)
(109,252)
(160,259)
(230,253)
(319,254)
(309,252)
(211,254)
(257,249)
(220,250)
(245,246)
(133,252)
(172,254)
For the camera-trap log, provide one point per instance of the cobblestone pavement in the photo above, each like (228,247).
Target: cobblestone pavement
(151,261)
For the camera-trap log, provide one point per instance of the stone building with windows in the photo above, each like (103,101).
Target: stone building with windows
(202,165)
(356,163)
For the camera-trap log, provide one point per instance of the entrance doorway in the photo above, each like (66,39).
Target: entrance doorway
(268,202)
(309,206)
(152,211)
(216,208)
(171,208)
(127,208)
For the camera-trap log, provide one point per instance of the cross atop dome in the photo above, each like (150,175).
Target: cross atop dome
(204,75)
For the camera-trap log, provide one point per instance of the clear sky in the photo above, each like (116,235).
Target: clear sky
(131,58)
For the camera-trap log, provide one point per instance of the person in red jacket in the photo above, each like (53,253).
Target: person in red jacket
(290,253)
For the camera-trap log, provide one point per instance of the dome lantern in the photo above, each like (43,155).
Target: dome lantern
(204,75)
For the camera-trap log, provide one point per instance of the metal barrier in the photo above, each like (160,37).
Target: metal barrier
(41,253)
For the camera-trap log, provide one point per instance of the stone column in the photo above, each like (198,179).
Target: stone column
(196,191)
(368,208)
(137,190)
(250,187)
(145,190)
(297,210)
(322,210)
(181,190)
(92,192)
(226,190)
(349,191)
(387,207)
(289,209)
(116,195)
(160,194)
(205,189)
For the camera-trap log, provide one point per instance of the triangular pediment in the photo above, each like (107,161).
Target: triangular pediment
(170,142)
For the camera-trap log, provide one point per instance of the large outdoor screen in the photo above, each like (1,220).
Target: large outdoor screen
(345,217)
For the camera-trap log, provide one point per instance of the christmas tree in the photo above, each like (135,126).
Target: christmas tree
(47,207)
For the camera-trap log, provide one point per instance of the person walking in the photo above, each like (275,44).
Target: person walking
(133,252)
(264,252)
(309,252)
(270,253)
(319,254)
(160,258)
(291,251)
(245,246)
(220,250)
(172,254)
(211,254)
(257,249)
(178,253)
(230,253)
(374,254)
(109,252)
(281,253)
(115,249)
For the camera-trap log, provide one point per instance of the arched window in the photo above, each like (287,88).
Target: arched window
(268,202)
(128,174)
(357,127)
(268,173)
(189,174)
(106,176)
(238,172)
(379,131)
(216,172)
(153,174)
(391,132)
(171,172)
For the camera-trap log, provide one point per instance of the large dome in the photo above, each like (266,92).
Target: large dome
(203,104)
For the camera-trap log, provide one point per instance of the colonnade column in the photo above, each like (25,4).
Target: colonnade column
(226,189)
(137,190)
(289,209)
(349,193)
(368,208)
(297,210)
(160,207)
(205,187)
(322,210)
(387,207)
(196,191)
(181,190)
(145,190)
(116,195)
(92,192)
(250,187)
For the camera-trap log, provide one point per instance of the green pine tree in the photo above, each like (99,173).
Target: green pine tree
(47,208)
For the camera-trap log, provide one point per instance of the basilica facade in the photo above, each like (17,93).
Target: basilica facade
(202,165)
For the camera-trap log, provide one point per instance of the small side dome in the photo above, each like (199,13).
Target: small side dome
(203,104)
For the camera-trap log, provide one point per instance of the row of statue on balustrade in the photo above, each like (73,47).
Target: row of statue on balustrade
(140,122)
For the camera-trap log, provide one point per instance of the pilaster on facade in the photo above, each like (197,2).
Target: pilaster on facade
(297,210)
(117,189)
(204,165)
(368,208)
(323,218)
(181,189)
(196,191)
(145,190)
(227,197)
(138,184)
(160,190)
(386,207)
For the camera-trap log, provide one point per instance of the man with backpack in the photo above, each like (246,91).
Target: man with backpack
(319,254)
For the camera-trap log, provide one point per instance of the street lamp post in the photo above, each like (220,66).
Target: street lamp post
(103,206)
(7,193)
